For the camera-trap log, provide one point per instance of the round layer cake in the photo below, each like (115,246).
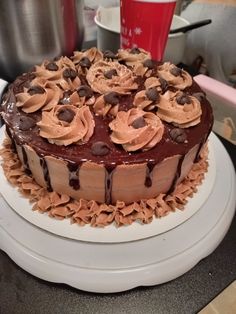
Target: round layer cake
(107,127)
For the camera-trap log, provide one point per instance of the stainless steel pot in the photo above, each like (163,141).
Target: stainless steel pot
(33,30)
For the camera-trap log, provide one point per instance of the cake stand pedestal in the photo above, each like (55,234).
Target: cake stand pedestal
(114,267)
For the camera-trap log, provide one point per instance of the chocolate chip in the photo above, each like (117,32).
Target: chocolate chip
(109,55)
(36,89)
(110,73)
(178,135)
(85,62)
(164,84)
(152,94)
(135,51)
(100,148)
(139,123)
(148,63)
(176,71)
(200,96)
(65,100)
(85,91)
(51,66)
(66,115)
(183,99)
(69,74)
(26,123)
(112,98)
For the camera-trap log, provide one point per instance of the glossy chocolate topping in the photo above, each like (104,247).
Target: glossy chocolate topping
(168,146)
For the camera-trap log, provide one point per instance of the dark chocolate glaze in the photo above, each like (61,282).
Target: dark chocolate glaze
(73,168)
(150,166)
(25,161)
(44,166)
(177,175)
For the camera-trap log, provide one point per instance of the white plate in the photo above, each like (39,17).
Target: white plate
(109,234)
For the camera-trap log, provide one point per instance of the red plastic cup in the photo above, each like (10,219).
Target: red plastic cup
(146,24)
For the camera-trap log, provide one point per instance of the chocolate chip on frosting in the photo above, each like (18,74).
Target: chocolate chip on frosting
(112,98)
(152,94)
(100,148)
(176,71)
(183,99)
(69,74)
(109,55)
(139,123)
(66,115)
(85,91)
(26,123)
(85,62)
(36,89)
(164,84)
(51,66)
(135,51)
(110,73)
(148,63)
(178,135)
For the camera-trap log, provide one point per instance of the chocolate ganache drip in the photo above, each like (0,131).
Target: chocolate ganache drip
(150,166)
(108,182)
(73,175)
(44,166)
(177,175)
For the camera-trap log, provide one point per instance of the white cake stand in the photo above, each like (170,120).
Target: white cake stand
(114,267)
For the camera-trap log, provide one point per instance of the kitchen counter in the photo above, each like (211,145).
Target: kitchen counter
(21,292)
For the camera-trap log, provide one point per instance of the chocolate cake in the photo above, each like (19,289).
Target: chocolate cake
(115,130)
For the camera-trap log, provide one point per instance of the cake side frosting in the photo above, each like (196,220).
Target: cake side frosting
(82,212)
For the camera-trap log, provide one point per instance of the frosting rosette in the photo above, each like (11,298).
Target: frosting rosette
(61,72)
(174,76)
(92,54)
(83,96)
(133,56)
(136,129)
(180,109)
(105,77)
(67,124)
(39,97)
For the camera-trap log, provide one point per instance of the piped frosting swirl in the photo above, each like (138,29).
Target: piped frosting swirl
(105,77)
(180,109)
(174,76)
(61,72)
(136,129)
(67,124)
(39,97)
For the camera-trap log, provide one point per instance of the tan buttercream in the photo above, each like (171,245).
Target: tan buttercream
(102,108)
(78,131)
(46,101)
(122,83)
(181,81)
(93,54)
(133,139)
(183,116)
(76,100)
(43,75)
(132,59)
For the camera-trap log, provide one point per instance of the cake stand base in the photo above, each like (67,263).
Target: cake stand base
(114,267)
